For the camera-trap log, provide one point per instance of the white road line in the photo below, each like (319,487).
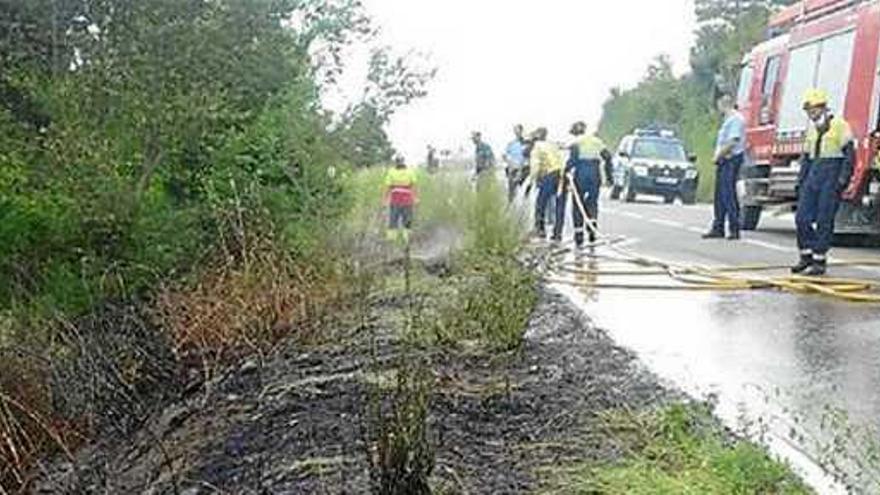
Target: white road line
(632,215)
(695,230)
(768,245)
(667,223)
(867,269)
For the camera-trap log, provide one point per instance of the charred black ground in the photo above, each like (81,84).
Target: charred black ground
(298,420)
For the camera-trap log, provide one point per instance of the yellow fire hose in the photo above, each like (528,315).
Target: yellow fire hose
(698,278)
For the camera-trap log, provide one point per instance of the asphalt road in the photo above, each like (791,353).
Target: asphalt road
(777,364)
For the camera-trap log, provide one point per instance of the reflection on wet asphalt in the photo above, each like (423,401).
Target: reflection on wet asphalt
(777,357)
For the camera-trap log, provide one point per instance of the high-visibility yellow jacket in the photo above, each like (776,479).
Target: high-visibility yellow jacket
(401,186)
(546,158)
(835,147)
(589,147)
(833,142)
(590,150)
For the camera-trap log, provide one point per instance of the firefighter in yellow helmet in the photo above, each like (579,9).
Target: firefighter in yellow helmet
(826,170)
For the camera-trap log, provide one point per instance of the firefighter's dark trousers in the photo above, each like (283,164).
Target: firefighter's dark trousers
(818,199)
(548,186)
(587,179)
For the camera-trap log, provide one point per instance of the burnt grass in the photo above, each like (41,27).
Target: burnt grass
(297,420)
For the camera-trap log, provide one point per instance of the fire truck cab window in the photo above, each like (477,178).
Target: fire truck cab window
(768,89)
(824,63)
(835,62)
(801,76)
(745,83)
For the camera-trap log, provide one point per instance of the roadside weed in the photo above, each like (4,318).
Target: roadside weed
(676,450)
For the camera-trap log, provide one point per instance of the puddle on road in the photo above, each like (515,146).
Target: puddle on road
(772,357)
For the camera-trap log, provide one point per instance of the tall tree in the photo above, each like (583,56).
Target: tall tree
(727,30)
(393,81)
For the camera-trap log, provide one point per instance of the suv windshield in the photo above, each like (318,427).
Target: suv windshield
(659,149)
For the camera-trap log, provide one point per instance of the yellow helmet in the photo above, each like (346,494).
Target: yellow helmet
(815,98)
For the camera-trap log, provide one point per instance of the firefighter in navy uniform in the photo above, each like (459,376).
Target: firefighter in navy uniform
(587,155)
(826,170)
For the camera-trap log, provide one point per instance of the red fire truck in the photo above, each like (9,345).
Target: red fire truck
(829,44)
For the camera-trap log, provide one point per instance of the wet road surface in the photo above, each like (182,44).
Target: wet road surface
(778,362)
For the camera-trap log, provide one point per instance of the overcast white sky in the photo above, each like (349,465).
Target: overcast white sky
(544,62)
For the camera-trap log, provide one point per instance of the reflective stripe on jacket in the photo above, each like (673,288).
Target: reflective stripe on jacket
(833,141)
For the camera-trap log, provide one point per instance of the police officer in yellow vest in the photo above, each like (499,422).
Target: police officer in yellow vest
(587,154)
(826,170)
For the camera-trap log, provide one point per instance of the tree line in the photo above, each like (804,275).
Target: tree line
(130,131)
(726,31)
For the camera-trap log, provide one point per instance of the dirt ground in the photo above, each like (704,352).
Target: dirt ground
(297,420)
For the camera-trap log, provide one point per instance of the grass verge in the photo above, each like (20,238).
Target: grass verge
(679,449)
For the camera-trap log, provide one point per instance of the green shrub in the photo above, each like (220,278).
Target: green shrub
(494,297)
(403,458)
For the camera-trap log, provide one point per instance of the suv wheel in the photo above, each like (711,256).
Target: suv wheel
(669,199)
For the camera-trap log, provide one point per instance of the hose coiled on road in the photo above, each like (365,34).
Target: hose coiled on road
(697,278)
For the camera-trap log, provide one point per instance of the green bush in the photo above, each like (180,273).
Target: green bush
(495,297)
(403,458)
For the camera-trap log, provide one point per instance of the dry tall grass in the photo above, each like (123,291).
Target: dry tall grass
(232,310)
(112,368)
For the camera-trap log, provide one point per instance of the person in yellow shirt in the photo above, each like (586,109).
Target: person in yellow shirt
(547,163)
(400,196)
